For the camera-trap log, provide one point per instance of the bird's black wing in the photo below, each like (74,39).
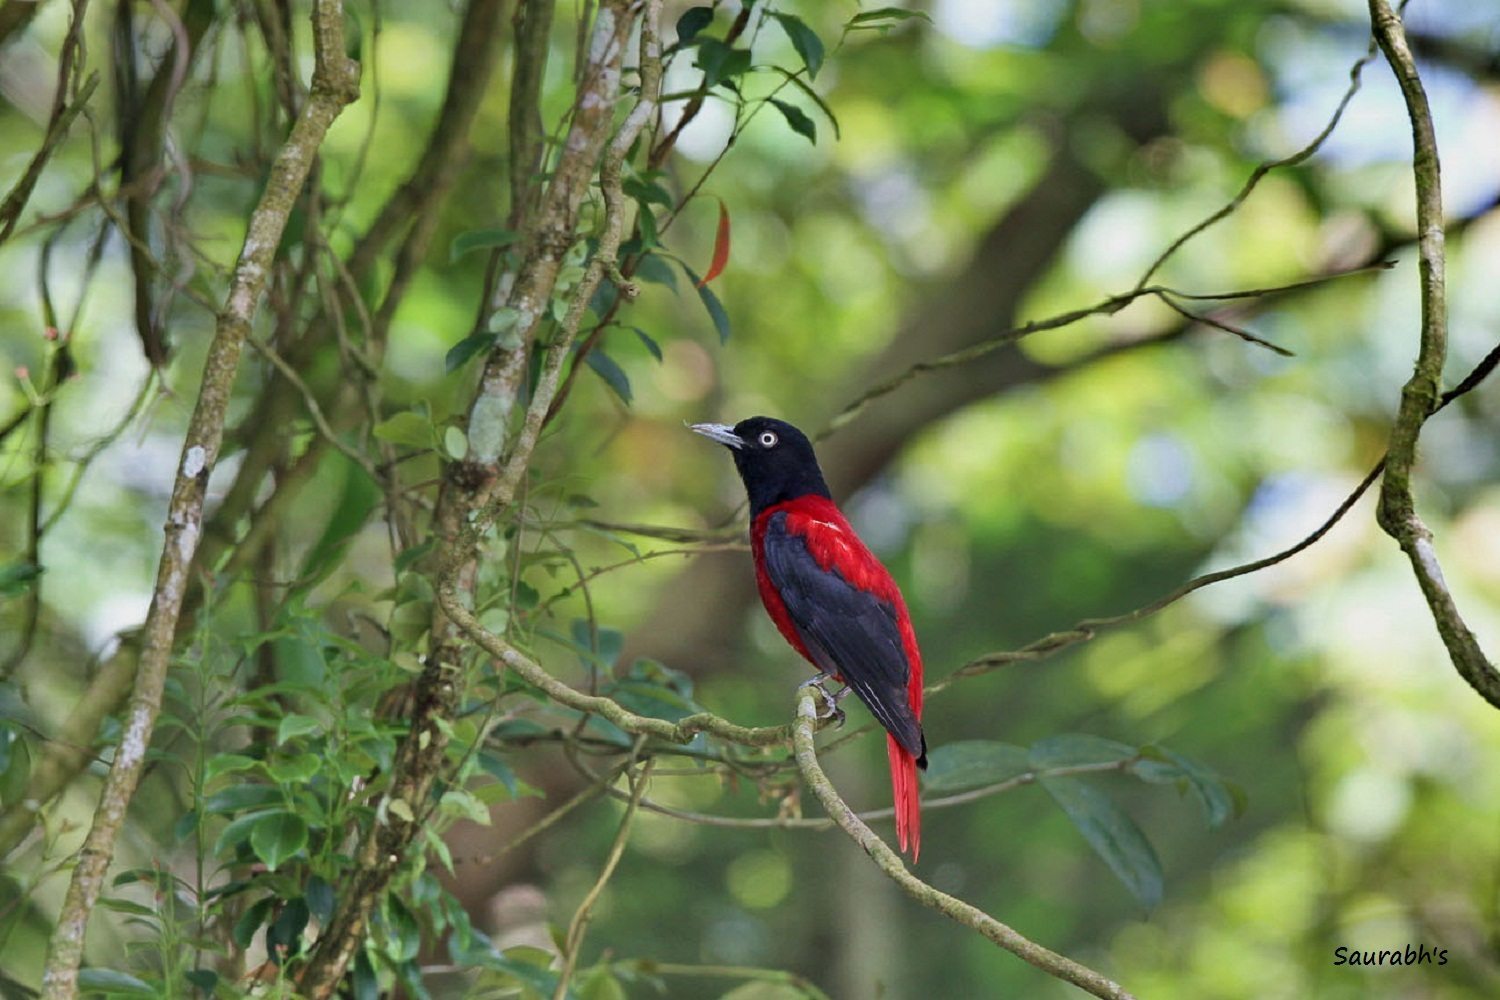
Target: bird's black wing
(847,631)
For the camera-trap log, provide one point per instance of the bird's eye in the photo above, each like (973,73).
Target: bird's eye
(768,439)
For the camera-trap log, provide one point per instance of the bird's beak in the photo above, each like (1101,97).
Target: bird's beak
(722,433)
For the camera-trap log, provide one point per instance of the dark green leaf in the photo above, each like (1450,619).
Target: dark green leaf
(206,980)
(1162,766)
(1112,834)
(613,375)
(720,62)
(651,345)
(238,797)
(17,774)
(798,120)
(366,984)
(647,192)
(1077,749)
(711,303)
(319,895)
(411,555)
(692,21)
(407,428)
(812,95)
(647,223)
(293,725)
(404,934)
(465,349)
(238,832)
(653,269)
(410,975)
(277,837)
(884,18)
(954,767)
(250,921)
(808,45)
(16,578)
(285,934)
(112,983)
(476,239)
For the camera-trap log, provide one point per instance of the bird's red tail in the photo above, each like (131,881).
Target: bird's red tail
(904,791)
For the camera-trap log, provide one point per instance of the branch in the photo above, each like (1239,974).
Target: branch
(1090,627)
(63,113)
(475,491)
(335,84)
(1397,512)
(1105,307)
(891,864)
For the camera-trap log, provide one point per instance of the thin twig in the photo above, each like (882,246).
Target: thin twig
(580,922)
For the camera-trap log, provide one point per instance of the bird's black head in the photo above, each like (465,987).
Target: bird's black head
(775,460)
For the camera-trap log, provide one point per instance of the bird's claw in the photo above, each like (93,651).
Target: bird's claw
(829,709)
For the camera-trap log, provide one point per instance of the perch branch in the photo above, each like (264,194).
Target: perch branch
(890,863)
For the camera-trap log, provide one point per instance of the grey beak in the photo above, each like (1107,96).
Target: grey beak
(722,433)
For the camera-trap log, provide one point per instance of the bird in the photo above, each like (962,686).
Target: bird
(830,597)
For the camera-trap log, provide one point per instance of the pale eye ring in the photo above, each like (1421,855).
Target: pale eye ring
(768,439)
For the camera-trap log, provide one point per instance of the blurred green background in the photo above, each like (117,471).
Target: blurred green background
(1006,161)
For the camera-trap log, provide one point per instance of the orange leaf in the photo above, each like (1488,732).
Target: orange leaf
(721,247)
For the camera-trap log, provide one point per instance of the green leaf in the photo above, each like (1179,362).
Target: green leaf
(720,62)
(411,555)
(455,443)
(277,837)
(113,983)
(812,95)
(655,270)
(476,239)
(458,802)
(238,797)
(1112,834)
(465,349)
(600,984)
(692,21)
(711,303)
(1077,749)
(227,763)
(250,921)
(295,770)
(613,375)
(1162,766)
(884,18)
(319,896)
(647,192)
(17,774)
(808,45)
(955,767)
(294,724)
(407,428)
(650,237)
(651,344)
(798,120)
(16,578)
(206,980)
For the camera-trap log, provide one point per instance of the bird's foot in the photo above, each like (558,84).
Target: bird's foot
(829,708)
